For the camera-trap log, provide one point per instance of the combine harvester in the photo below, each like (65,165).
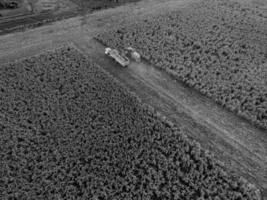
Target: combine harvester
(121,58)
(134,54)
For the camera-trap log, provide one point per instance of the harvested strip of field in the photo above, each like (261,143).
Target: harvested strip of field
(70,131)
(217,47)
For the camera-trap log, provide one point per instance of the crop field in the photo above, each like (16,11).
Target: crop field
(217,47)
(71,131)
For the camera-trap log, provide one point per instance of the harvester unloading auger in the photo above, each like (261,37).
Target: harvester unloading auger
(122,58)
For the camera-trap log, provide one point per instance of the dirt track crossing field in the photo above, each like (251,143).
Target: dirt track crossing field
(230,139)
(71,131)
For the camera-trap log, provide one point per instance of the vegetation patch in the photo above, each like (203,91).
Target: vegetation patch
(9,4)
(92,5)
(217,47)
(68,130)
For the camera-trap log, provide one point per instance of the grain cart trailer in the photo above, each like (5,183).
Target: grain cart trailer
(114,54)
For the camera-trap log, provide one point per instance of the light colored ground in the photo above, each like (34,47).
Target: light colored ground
(242,147)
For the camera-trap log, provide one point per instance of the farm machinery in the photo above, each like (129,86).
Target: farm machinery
(122,57)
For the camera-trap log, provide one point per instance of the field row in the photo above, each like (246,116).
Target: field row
(68,130)
(217,47)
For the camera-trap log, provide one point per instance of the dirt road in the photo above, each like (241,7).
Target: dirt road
(242,147)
